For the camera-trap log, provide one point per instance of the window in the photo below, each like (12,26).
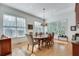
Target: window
(13,26)
(38,27)
(9,26)
(21,27)
(58,27)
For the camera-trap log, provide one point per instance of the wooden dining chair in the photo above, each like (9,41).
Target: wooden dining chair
(52,38)
(31,42)
(49,40)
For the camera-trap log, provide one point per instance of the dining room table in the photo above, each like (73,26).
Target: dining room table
(40,38)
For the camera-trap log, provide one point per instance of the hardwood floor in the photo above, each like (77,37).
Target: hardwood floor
(60,48)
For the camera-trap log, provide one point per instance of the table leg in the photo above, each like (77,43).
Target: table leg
(39,44)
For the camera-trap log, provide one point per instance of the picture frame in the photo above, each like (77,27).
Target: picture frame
(73,28)
(30,26)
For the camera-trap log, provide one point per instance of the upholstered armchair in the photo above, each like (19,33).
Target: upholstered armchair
(31,42)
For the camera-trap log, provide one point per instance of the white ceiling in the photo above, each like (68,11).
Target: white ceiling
(36,8)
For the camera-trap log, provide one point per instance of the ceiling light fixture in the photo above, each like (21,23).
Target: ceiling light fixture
(44,20)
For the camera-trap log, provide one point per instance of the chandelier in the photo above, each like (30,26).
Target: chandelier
(44,20)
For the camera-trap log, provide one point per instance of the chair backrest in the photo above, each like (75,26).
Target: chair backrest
(49,37)
(40,33)
(52,35)
(29,39)
(36,34)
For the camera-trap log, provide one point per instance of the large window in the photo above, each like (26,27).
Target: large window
(58,27)
(14,26)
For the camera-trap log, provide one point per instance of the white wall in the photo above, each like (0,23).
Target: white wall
(11,11)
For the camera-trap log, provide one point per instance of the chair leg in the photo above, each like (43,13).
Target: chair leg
(47,44)
(42,42)
(28,47)
(52,42)
(32,48)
